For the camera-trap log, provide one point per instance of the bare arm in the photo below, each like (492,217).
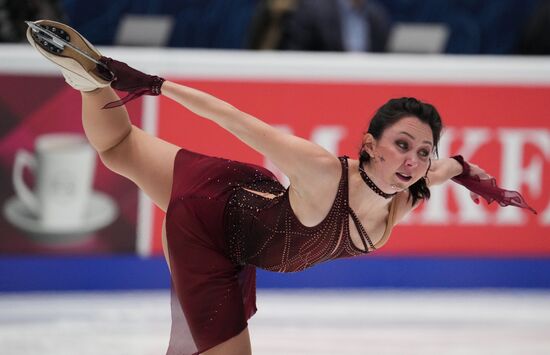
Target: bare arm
(446,169)
(441,170)
(298,158)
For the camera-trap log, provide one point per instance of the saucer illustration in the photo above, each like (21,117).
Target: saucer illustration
(101,211)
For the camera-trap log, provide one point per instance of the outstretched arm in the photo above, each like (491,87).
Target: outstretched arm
(307,165)
(471,176)
(442,170)
(298,158)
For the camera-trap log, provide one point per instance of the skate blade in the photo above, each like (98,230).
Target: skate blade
(55,40)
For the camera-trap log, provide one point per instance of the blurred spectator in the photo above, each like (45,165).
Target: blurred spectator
(14,13)
(269,26)
(339,25)
(477,26)
(197,23)
(535,38)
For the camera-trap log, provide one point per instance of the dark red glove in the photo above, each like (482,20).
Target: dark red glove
(488,188)
(130,80)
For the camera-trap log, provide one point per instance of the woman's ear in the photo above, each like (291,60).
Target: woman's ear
(369,144)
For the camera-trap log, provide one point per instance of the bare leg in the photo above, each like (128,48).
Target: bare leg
(127,150)
(238,345)
(146,160)
(104,128)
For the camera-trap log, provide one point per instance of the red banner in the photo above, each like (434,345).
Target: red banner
(504,129)
(37,106)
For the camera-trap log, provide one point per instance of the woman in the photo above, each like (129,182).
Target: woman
(224,218)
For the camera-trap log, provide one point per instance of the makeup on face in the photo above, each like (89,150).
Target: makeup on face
(410,143)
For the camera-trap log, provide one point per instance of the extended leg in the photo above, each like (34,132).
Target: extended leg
(104,128)
(127,150)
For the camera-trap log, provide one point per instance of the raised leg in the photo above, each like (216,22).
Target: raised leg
(127,150)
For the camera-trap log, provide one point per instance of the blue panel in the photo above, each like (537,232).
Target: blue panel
(123,273)
(418,273)
(98,273)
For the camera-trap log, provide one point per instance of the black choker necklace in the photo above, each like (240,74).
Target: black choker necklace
(372,185)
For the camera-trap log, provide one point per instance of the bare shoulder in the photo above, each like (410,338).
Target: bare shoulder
(312,194)
(321,174)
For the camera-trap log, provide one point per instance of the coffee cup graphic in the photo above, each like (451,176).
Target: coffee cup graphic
(62,200)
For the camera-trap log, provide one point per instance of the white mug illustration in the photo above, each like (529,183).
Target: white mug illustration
(62,201)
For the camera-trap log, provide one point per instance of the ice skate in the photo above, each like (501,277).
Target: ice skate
(77,58)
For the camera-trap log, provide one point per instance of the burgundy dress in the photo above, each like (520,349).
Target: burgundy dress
(218,232)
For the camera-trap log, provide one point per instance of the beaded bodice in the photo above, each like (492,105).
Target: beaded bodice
(265,232)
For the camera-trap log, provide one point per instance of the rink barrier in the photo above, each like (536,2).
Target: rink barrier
(133,273)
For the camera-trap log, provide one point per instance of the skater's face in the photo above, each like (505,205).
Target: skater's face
(401,156)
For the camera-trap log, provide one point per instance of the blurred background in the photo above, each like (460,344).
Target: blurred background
(470,26)
(455,278)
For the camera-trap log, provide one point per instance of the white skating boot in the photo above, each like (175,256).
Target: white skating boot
(77,58)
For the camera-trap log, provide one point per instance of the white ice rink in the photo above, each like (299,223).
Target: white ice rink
(288,322)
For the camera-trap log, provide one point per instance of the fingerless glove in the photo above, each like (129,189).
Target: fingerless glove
(488,188)
(130,80)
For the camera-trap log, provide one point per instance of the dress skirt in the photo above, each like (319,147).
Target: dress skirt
(212,297)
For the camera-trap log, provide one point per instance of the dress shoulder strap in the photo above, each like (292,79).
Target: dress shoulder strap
(364,236)
(343,187)
(347,210)
(344,161)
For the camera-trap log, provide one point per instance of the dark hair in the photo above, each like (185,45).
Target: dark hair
(393,111)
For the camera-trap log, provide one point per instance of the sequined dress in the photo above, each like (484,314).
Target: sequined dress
(219,229)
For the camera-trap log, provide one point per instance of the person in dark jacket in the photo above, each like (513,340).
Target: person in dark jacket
(339,25)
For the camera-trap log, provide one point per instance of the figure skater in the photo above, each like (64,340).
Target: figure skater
(225,218)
